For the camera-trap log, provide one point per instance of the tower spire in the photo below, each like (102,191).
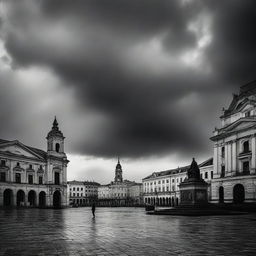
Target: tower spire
(55,125)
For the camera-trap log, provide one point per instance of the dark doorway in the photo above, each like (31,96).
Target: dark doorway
(8,197)
(42,199)
(32,198)
(238,194)
(221,195)
(20,198)
(177,201)
(57,199)
(56,178)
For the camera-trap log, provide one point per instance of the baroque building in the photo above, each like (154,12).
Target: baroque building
(120,192)
(162,188)
(82,193)
(32,177)
(235,150)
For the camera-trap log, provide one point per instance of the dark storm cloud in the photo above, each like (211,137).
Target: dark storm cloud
(232,52)
(100,48)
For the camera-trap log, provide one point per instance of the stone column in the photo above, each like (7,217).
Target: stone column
(253,161)
(229,157)
(215,162)
(226,159)
(234,157)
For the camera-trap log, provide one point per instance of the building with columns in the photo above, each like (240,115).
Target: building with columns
(82,193)
(32,177)
(162,188)
(120,192)
(235,150)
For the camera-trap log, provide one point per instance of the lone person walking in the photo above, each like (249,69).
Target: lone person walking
(93,209)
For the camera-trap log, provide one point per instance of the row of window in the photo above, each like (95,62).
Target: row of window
(30,178)
(206,175)
(3,163)
(245,149)
(18,178)
(81,189)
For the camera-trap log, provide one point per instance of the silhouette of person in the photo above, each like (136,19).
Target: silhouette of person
(93,209)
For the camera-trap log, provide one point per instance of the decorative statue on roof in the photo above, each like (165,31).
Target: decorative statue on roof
(194,172)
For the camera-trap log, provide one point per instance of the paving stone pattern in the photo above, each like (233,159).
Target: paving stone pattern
(122,231)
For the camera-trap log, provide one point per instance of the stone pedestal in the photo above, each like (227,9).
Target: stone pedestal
(193,190)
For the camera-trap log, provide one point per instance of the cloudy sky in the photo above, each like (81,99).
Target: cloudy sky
(145,79)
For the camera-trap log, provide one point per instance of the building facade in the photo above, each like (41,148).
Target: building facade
(162,188)
(33,177)
(82,193)
(235,150)
(120,192)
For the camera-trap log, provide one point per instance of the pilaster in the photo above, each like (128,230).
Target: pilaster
(253,148)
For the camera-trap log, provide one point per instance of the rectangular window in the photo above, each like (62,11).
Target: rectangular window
(74,189)
(18,164)
(81,189)
(3,162)
(211,174)
(222,171)
(74,194)
(172,180)
(77,194)
(167,181)
(159,182)
(30,179)
(17,177)
(3,177)
(40,180)
(162,181)
(30,166)
(206,175)
(246,167)
(56,178)
(77,189)
(167,189)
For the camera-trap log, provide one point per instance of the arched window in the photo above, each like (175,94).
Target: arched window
(57,147)
(246,146)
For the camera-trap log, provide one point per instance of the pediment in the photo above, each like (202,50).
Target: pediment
(244,105)
(18,149)
(240,125)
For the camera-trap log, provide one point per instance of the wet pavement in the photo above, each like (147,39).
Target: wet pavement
(123,231)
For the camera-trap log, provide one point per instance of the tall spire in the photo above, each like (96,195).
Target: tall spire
(55,125)
(118,160)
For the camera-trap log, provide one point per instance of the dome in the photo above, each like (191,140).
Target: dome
(55,132)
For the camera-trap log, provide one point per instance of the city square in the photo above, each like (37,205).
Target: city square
(122,231)
(127,127)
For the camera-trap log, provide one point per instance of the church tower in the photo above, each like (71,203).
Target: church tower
(55,140)
(118,173)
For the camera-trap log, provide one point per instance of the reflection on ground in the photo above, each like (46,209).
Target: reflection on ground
(123,231)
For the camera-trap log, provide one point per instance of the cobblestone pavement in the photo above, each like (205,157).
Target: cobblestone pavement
(122,231)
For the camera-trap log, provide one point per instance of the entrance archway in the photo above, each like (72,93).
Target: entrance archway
(238,194)
(42,199)
(32,198)
(221,195)
(8,197)
(57,199)
(20,198)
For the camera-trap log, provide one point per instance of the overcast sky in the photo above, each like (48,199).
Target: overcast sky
(145,80)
